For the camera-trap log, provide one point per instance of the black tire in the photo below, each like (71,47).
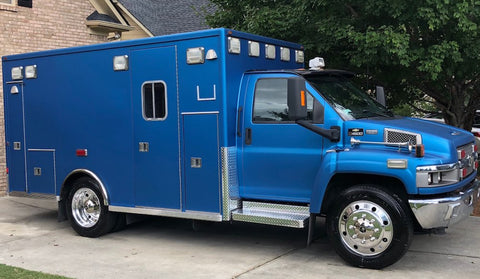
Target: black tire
(369,227)
(86,210)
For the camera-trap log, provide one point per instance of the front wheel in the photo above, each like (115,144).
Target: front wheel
(86,210)
(369,227)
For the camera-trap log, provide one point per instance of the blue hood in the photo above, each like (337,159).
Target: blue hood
(440,140)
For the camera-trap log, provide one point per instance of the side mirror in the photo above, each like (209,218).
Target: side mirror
(380,95)
(297,99)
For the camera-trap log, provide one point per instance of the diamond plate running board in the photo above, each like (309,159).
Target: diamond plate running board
(272,214)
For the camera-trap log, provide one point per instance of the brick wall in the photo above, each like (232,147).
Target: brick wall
(50,24)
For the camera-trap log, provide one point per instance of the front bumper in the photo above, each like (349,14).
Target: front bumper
(448,210)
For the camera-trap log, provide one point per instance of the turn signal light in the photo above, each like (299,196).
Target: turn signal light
(420,150)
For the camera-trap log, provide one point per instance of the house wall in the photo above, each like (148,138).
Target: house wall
(49,24)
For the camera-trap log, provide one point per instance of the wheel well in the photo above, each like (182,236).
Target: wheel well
(342,181)
(68,183)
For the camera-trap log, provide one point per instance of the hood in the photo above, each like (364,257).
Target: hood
(439,139)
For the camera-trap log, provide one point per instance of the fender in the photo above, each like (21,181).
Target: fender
(84,172)
(354,162)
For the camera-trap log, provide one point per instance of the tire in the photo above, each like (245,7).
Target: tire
(369,227)
(86,210)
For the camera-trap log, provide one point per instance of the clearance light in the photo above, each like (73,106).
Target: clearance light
(299,56)
(120,63)
(253,49)
(233,45)
(196,55)
(420,150)
(81,152)
(211,55)
(17,73)
(31,71)
(461,154)
(270,51)
(284,54)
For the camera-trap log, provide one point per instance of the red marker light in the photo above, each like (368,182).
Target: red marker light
(81,152)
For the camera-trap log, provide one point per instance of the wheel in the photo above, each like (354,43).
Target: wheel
(369,227)
(86,210)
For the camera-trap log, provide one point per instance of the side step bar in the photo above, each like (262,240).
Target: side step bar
(272,214)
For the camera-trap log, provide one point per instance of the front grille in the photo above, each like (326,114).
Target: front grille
(399,136)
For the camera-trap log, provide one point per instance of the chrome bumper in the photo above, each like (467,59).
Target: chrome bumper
(444,212)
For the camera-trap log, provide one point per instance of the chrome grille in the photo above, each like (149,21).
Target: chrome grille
(396,136)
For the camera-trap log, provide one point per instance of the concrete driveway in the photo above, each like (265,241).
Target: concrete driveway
(31,238)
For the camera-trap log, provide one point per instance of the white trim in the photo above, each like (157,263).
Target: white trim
(200,112)
(207,99)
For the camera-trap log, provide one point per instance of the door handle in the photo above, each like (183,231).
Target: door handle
(248,136)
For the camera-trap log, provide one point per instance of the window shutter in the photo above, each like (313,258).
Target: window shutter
(25,3)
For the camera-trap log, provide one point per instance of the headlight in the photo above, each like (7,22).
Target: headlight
(439,175)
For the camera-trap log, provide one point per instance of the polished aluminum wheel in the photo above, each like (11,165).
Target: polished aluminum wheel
(86,207)
(365,228)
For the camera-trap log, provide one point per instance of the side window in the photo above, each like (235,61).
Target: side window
(270,104)
(154,100)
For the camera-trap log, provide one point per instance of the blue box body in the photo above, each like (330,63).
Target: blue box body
(79,102)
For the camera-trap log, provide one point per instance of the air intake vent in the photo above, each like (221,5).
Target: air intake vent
(396,136)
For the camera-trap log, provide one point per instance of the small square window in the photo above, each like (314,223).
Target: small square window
(154,99)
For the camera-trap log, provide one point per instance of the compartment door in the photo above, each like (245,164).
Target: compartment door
(201,157)
(15,140)
(41,171)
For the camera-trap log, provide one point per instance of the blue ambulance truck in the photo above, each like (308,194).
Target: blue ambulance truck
(221,125)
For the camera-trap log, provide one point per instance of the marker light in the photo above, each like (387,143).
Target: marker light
(120,63)
(270,51)
(81,152)
(284,54)
(31,71)
(233,45)
(17,73)
(211,55)
(196,55)
(420,150)
(302,98)
(253,49)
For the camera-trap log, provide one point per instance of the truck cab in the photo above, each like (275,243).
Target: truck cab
(311,137)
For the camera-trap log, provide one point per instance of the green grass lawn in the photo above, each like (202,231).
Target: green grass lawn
(10,272)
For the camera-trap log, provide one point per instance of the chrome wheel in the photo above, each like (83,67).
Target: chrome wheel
(86,207)
(365,228)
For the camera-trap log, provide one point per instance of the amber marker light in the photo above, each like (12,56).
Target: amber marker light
(302,96)
(420,150)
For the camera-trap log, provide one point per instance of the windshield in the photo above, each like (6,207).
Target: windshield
(348,100)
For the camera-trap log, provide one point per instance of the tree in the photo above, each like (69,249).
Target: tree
(412,48)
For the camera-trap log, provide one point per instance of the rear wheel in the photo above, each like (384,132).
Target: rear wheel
(86,209)
(369,227)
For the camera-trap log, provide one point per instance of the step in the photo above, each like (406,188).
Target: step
(272,214)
